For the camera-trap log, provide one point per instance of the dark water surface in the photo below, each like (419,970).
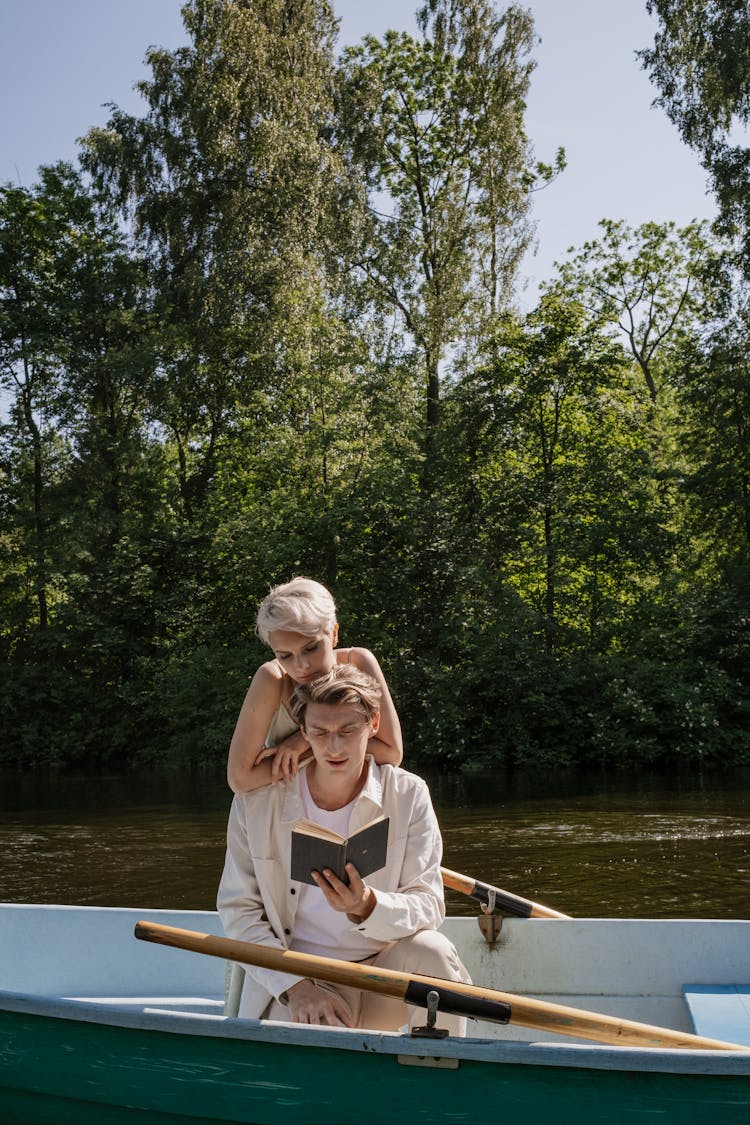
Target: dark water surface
(590,844)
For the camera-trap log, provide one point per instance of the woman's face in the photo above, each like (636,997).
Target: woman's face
(302,657)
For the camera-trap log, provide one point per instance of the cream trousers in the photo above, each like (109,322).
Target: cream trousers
(426,952)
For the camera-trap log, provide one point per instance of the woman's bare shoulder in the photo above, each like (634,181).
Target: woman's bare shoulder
(363,659)
(268,675)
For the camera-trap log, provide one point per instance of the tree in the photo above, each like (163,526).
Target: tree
(82,480)
(555,469)
(700,63)
(650,283)
(716,402)
(324,486)
(436,126)
(228,180)
(39,231)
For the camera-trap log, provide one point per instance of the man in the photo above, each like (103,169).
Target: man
(390,920)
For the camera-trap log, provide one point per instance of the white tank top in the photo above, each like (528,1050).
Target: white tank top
(317,928)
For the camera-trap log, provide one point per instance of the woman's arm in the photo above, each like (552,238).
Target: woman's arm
(244,771)
(386,747)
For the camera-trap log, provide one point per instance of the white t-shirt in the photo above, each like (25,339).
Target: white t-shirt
(317,928)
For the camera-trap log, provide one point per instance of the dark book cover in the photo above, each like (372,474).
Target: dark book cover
(315,848)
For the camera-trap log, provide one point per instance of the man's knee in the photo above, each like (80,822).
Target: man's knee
(433,955)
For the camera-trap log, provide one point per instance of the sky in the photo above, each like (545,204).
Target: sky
(62,61)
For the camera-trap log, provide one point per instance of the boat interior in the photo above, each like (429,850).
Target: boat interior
(686,975)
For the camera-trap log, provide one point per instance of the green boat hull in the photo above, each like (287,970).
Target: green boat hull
(63,1071)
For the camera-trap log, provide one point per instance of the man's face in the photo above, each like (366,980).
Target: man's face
(338,735)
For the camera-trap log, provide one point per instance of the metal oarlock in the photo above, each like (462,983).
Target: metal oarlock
(429,1031)
(490,923)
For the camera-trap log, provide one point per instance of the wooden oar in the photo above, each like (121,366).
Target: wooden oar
(460,999)
(503,900)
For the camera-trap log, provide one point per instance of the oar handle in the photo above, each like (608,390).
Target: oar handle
(505,901)
(455,997)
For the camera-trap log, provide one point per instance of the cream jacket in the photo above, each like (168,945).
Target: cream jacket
(257,900)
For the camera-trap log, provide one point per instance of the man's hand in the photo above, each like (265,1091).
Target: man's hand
(286,756)
(357,900)
(309,1003)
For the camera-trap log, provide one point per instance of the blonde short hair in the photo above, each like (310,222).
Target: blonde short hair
(300,606)
(344,685)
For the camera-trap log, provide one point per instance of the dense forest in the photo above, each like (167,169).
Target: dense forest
(271,327)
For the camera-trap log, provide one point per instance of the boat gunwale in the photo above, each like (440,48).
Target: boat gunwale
(537,1053)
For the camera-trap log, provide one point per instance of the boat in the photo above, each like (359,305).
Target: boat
(96,1026)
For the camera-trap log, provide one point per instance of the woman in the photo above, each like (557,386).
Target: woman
(297,620)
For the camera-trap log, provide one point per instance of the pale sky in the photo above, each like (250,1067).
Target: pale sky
(62,60)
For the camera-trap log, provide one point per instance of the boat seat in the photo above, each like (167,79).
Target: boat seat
(198,1005)
(720,1011)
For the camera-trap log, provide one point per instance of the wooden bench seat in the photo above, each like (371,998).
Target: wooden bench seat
(720,1011)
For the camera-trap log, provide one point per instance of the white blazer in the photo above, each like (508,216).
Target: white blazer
(257,899)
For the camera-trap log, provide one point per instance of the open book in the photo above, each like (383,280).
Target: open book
(315,847)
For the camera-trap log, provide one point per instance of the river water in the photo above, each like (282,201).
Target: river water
(592,844)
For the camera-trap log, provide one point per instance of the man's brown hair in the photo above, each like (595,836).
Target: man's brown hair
(344,685)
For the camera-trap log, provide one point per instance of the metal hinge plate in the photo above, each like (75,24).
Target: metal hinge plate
(429,1061)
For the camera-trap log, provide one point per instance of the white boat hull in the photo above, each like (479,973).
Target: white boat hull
(92,1018)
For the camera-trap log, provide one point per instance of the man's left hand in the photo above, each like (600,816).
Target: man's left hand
(357,900)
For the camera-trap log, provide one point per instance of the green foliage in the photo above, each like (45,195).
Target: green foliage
(435,128)
(651,285)
(700,63)
(716,401)
(231,191)
(272,335)
(192,703)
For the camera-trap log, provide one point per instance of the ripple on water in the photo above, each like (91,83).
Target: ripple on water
(649,852)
